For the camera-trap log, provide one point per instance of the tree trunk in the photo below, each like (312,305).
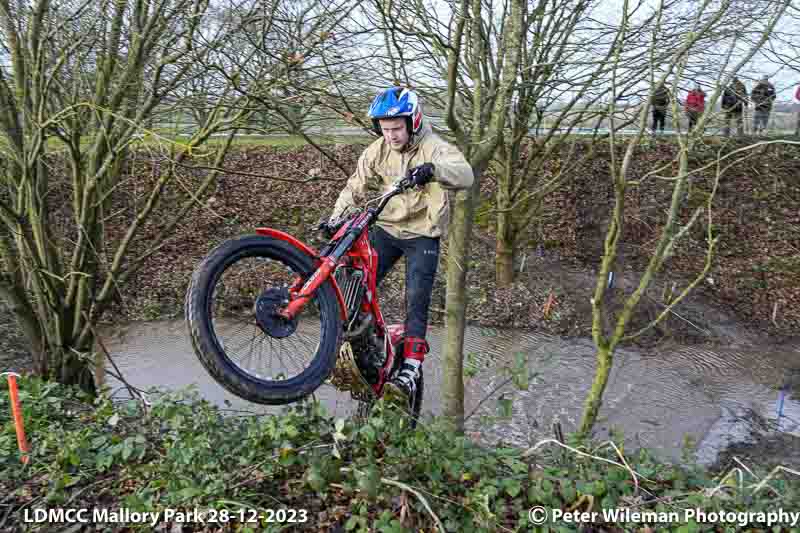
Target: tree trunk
(99,367)
(32,331)
(595,398)
(504,247)
(78,369)
(504,262)
(456,304)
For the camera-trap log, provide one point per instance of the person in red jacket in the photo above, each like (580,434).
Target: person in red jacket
(797,102)
(695,105)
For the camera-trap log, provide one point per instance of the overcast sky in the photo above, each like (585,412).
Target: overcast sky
(784,78)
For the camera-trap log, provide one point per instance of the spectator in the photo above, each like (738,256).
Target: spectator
(797,102)
(695,105)
(763,95)
(733,102)
(659,101)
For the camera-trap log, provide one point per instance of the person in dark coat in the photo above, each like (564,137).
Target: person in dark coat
(659,103)
(734,100)
(763,96)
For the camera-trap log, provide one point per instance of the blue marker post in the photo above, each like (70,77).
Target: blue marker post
(787,383)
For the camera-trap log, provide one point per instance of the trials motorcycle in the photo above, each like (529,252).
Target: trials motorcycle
(272,319)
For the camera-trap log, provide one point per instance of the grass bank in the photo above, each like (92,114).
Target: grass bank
(181,454)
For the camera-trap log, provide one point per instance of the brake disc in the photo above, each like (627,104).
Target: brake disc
(266,310)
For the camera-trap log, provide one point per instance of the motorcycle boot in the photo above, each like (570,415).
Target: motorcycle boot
(403,386)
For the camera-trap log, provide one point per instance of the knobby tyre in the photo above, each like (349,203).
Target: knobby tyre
(220,302)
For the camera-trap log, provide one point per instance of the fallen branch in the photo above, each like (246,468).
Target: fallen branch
(695,326)
(410,489)
(131,389)
(722,483)
(624,465)
(491,393)
(775,470)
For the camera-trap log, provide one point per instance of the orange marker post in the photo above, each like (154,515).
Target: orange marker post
(16,412)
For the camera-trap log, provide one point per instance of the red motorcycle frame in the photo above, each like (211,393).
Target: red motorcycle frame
(356,351)
(361,256)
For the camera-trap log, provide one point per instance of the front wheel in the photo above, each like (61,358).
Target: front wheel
(238,338)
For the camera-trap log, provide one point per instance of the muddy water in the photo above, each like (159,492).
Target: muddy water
(657,401)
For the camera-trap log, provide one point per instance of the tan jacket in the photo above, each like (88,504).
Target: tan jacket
(416,212)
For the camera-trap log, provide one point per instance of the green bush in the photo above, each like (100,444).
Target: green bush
(182,453)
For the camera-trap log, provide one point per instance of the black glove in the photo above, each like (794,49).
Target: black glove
(327,229)
(421,175)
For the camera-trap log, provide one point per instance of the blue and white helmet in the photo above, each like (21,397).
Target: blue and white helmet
(397,102)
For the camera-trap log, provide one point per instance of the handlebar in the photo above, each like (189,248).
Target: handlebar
(400,186)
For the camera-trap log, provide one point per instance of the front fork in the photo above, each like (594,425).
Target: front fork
(299,299)
(348,233)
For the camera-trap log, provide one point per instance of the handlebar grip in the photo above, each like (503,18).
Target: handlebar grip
(404,184)
(325,228)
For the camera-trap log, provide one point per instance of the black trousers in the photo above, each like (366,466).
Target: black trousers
(693,116)
(422,260)
(659,119)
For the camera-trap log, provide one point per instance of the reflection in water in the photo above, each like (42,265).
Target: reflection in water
(655,400)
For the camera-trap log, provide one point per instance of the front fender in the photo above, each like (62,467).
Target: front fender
(309,251)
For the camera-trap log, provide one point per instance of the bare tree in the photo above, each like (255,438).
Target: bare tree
(561,81)
(711,24)
(291,60)
(469,53)
(85,79)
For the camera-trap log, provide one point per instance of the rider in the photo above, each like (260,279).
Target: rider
(412,223)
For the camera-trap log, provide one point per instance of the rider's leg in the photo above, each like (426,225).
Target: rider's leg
(387,249)
(422,259)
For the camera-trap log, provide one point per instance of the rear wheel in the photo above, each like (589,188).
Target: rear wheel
(230,311)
